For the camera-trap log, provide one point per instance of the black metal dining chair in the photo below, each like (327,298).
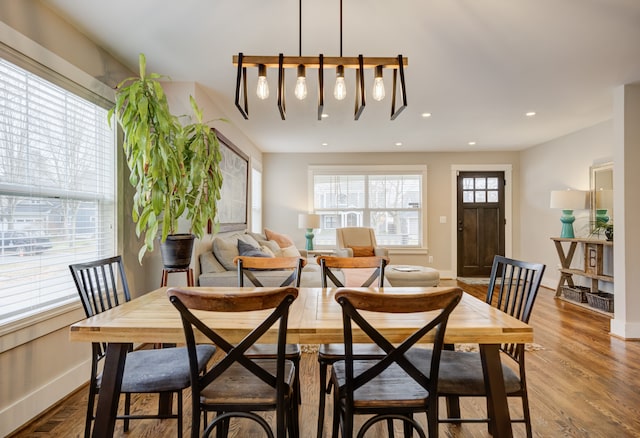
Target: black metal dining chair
(238,385)
(102,285)
(513,288)
(246,267)
(330,353)
(391,387)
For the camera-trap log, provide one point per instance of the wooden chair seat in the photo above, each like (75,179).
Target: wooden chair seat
(389,390)
(238,386)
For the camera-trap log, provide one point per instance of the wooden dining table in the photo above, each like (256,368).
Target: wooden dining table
(314,318)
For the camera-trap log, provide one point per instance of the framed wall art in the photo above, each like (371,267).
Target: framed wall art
(232,207)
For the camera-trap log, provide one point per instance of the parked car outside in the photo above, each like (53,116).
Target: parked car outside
(24,242)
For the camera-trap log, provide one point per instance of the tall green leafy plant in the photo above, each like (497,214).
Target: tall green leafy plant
(174,169)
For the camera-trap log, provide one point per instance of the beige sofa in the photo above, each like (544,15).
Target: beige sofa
(218,270)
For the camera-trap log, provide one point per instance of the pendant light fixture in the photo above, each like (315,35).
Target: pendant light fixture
(302,63)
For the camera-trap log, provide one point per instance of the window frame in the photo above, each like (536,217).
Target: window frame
(48,66)
(372,170)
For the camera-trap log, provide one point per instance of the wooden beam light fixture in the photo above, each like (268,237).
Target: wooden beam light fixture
(302,63)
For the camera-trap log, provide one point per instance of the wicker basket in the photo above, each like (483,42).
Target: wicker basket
(601,300)
(576,293)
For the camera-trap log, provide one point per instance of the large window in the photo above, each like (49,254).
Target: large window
(57,190)
(387,199)
(256,200)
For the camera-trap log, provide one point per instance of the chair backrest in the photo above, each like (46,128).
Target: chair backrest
(355,236)
(328,264)
(278,299)
(354,301)
(513,288)
(98,283)
(248,264)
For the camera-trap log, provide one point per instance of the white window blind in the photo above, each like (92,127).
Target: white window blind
(57,190)
(390,202)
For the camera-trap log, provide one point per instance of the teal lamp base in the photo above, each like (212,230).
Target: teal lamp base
(601,217)
(567,220)
(309,237)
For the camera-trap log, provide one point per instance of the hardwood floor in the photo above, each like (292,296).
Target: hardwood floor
(582,383)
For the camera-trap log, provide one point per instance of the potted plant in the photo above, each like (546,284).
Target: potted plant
(602,228)
(174,168)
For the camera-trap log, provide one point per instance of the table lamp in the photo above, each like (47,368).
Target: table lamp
(568,200)
(309,221)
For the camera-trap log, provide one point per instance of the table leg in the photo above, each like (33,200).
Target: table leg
(109,395)
(565,263)
(497,404)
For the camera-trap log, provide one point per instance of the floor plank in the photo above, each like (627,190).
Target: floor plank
(582,383)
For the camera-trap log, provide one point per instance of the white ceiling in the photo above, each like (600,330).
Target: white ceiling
(477,65)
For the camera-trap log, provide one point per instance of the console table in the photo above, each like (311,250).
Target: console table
(593,261)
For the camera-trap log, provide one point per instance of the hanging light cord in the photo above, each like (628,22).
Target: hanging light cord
(340,28)
(300,28)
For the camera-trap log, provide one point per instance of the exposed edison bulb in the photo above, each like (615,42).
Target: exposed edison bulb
(378,85)
(263,86)
(340,89)
(301,83)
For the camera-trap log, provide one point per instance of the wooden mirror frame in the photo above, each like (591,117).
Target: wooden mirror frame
(601,180)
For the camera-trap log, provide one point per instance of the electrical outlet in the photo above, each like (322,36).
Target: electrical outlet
(430,259)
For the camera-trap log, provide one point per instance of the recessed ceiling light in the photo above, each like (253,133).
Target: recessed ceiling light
(426,115)
(398,143)
(325,144)
(325,115)
(472,143)
(530,114)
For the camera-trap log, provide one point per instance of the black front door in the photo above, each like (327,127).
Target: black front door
(480,221)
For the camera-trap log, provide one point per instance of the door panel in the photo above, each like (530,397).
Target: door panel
(480,205)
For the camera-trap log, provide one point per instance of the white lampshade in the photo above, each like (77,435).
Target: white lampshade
(308,220)
(569,199)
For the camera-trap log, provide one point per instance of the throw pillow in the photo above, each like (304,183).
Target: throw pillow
(363,251)
(245,249)
(226,249)
(257,236)
(272,245)
(265,249)
(209,263)
(283,240)
(290,251)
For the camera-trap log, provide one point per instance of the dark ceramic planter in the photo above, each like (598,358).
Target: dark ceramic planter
(177,250)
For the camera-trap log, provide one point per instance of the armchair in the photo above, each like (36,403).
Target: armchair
(358,242)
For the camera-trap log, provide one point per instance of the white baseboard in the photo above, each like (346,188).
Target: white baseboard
(627,330)
(32,405)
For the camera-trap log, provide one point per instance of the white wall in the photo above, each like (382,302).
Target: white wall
(626,179)
(556,165)
(285,193)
